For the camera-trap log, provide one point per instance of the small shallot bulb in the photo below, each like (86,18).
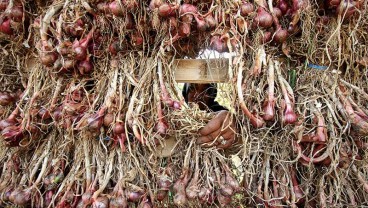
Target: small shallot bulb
(201,23)
(44,114)
(281,35)
(133,196)
(87,198)
(118,202)
(289,116)
(116,8)
(187,8)
(7,122)
(5,27)
(161,195)
(22,198)
(246,8)
(166,10)
(85,67)
(267,36)
(119,128)
(184,29)
(277,12)
(269,110)
(48,58)
(95,122)
(218,45)
(101,202)
(108,119)
(176,105)
(211,21)
(283,6)
(6,99)
(263,18)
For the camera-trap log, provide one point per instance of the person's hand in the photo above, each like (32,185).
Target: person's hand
(219,131)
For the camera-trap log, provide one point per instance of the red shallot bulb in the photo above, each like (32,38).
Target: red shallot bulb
(103,7)
(12,135)
(210,20)
(277,12)
(108,119)
(119,129)
(133,196)
(187,8)
(5,27)
(201,23)
(283,6)
(218,45)
(116,8)
(281,35)
(161,195)
(6,99)
(246,8)
(22,198)
(48,58)
(266,37)
(118,202)
(167,10)
(101,202)
(85,67)
(6,123)
(155,4)
(263,18)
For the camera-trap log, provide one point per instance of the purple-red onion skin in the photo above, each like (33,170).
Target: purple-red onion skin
(211,21)
(133,196)
(267,36)
(87,198)
(166,10)
(187,8)
(161,195)
(22,198)
(6,122)
(101,202)
(12,135)
(116,9)
(246,8)
(85,67)
(180,198)
(277,12)
(48,58)
(283,6)
(281,35)
(269,110)
(218,45)
(263,18)
(5,27)
(119,129)
(184,29)
(118,202)
(6,99)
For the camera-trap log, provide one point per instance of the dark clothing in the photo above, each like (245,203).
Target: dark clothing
(211,91)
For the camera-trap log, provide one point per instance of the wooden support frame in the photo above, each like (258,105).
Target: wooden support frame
(201,70)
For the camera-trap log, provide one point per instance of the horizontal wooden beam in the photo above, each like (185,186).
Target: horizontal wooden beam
(201,70)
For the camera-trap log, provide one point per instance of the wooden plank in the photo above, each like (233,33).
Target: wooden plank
(201,70)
